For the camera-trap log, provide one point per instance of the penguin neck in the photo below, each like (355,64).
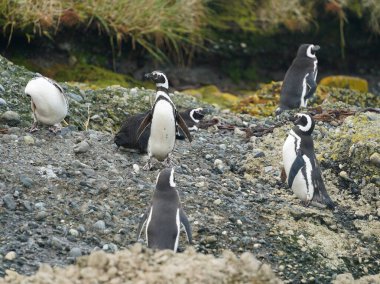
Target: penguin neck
(162,95)
(162,88)
(299,132)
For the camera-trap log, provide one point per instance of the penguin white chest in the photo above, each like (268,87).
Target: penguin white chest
(302,185)
(48,102)
(162,133)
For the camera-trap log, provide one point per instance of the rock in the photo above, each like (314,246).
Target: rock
(26,181)
(81,147)
(11,118)
(217,201)
(10,256)
(75,97)
(239,133)
(28,139)
(136,168)
(2,102)
(219,165)
(375,159)
(99,226)
(41,215)
(258,153)
(75,252)
(344,175)
(9,202)
(74,232)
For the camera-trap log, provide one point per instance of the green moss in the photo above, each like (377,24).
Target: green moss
(212,95)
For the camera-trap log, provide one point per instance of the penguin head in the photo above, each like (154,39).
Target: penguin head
(304,123)
(165,179)
(159,78)
(197,114)
(307,50)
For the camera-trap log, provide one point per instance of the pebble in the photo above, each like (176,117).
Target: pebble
(375,159)
(75,252)
(217,201)
(239,222)
(211,239)
(2,89)
(219,164)
(256,246)
(258,153)
(344,175)
(28,140)
(136,168)
(10,255)
(99,226)
(26,181)
(2,102)
(74,232)
(39,205)
(11,118)
(81,147)
(9,202)
(75,97)
(41,215)
(239,133)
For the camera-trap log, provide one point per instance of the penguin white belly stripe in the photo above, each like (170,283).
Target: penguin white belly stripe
(178,223)
(309,181)
(304,88)
(162,135)
(147,225)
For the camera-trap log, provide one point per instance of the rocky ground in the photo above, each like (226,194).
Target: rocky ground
(67,195)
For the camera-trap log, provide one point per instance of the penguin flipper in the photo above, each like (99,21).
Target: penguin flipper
(142,223)
(320,192)
(144,124)
(182,124)
(312,85)
(186,224)
(297,165)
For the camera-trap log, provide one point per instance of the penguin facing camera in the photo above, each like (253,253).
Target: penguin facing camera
(48,102)
(299,83)
(163,118)
(165,215)
(302,170)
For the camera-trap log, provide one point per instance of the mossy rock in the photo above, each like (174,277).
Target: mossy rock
(212,95)
(347,96)
(346,82)
(262,102)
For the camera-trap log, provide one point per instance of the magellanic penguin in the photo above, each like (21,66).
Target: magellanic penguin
(48,101)
(165,215)
(304,176)
(163,118)
(127,135)
(300,80)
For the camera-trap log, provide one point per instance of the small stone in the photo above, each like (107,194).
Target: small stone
(268,169)
(217,201)
(99,226)
(239,222)
(26,181)
(28,140)
(11,118)
(222,146)
(136,168)
(75,97)
(211,239)
(2,89)
(75,252)
(39,205)
(74,232)
(10,255)
(2,102)
(257,245)
(81,147)
(41,215)
(344,175)
(219,164)
(9,202)
(281,267)
(200,184)
(258,153)
(96,117)
(375,159)
(239,133)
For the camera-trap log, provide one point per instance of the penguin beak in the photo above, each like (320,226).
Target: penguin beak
(148,76)
(316,48)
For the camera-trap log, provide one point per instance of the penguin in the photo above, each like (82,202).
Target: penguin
(300,80)
(163,118)
(165,215)
(48,101)
(127,135)
(304,176)
(192,118)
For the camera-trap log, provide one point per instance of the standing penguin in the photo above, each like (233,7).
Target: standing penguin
(165,215)
(304,176)
(300,80)
(162,117)
(48,101)
(127,135)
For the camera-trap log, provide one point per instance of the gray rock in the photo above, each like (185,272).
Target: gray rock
(2,102)
(26,181)
(81,147)
(258,153)
(11,118)
(75,97)
(74,232)
(99,226)
(75,252)
(58,243)
(41,215)
(39,205)
(28,139)
(9,202)
(2,89)
(375,159)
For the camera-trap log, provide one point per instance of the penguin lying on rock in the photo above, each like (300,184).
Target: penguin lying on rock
(165,215)
(127,135)
(300,80)
(163,118)
(304,176)
(48,101)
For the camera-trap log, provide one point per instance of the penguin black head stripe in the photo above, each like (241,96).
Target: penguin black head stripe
(305,123)
(196,114)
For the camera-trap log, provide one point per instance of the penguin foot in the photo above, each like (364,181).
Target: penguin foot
(148,166)
(55,128)
(306,203)
(34,127)
(168,162)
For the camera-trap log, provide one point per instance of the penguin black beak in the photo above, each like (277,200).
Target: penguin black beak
(316,47)
(148,76)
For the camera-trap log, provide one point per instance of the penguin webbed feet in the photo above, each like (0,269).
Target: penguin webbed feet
(306,203)
(55,128)
(148,165)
